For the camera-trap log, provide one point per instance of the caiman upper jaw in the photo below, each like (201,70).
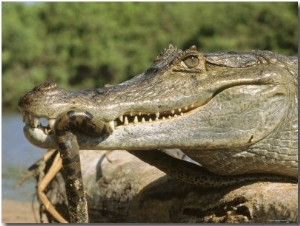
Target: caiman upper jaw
(33,118)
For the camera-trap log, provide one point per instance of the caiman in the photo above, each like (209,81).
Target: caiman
(235,114)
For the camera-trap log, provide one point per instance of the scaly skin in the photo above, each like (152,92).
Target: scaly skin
(234,113)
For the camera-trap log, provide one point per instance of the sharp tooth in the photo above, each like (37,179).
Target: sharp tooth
(156,119)
(46,131)
(175,115)
(121,118)
(135,120)
(27,120)
(173,112)
(157,114)
(34,122)
(150,120)
(131,113)
(163,118)
(186,108)
(140,113)
(51,122)
(170,116)
(143,120)
(181,113)
(125,121)
(179,109)
(110,126)
(192,105)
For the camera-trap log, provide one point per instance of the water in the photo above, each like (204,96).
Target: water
(17,155)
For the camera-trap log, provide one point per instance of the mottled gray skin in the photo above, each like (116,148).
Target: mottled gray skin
(240,111)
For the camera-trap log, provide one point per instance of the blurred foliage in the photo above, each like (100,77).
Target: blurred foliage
(86,45)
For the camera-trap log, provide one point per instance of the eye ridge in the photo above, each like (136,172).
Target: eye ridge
(191,61)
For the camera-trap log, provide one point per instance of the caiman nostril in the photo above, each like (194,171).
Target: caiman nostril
(45,86)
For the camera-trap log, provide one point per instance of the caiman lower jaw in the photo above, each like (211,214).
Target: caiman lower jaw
(123,120)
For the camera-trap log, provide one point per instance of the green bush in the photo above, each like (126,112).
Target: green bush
(86,45)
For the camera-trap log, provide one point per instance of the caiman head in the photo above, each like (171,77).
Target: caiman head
(185,99)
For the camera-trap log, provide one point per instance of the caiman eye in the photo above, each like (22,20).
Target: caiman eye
(191,61)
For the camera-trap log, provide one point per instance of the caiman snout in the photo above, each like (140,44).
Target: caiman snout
(34,106)
(35,101)
(29,97)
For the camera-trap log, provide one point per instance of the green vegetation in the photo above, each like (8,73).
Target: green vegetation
(86,45)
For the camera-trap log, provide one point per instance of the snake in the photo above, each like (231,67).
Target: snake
(66,126)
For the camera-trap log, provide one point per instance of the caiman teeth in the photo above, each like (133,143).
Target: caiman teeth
(135,117)
(34,122)
(126,121)
(51,123)
(110,126)
(131,117)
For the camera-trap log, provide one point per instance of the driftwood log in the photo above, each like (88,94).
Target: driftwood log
(122,188)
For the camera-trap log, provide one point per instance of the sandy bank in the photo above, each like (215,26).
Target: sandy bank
(19,212)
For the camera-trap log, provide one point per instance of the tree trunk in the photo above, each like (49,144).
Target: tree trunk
(128,190)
